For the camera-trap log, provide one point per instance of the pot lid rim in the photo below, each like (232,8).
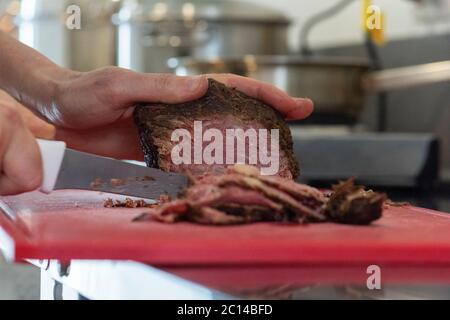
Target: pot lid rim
(338,61)
(213,10)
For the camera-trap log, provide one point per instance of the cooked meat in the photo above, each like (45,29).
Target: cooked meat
(137,203)
(223,193)
(117,182)
(221,108)
(350,203)
(242,195)
(127,203)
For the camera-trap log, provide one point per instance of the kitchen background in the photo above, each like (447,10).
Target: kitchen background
(406,132)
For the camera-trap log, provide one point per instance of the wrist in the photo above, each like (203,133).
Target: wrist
(44,96)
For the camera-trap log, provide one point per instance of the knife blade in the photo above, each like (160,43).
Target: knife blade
(65,168)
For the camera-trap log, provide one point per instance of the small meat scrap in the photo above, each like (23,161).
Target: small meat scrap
(96,183)
(164,198)
(350,203)
(108,203)
(117,182)
(390,203)
(138,203)
(127,203)
(242,195)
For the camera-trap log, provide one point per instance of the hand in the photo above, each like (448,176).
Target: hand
(20,160)
(38,127)
(93,110)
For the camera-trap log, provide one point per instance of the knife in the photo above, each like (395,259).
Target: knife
(65,168)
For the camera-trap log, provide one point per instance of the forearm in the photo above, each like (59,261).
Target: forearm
(27,75)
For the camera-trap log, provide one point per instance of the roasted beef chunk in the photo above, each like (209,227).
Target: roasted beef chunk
(242,195)
(220,108)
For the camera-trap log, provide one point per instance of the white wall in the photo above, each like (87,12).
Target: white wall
(403,20)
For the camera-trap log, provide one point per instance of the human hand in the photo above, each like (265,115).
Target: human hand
(20,160)
(93,110)
(38,127)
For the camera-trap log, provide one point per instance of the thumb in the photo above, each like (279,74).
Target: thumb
(166,88)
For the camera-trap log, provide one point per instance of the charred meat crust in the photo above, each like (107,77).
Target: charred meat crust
(146,140)
(158,120)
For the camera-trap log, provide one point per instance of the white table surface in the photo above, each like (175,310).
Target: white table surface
(120,280)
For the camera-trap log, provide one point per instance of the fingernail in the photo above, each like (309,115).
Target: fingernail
(302,100)
(305,103)
(305,108)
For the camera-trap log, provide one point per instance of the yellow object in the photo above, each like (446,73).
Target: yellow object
(373,22)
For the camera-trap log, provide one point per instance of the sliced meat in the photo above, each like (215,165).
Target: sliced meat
(242,196)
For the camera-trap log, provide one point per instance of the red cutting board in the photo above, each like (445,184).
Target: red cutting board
(73,225)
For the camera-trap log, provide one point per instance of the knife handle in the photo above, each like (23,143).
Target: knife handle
(52,154)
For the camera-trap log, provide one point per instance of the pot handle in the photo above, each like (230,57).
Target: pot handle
(406,77)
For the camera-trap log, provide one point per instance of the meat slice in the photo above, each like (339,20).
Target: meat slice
(221,109)
(241,196)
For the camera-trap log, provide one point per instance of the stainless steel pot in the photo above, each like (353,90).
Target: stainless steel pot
(94,45)
(8,12)
(337,85)
(151,31)
(333,84)
(42,25)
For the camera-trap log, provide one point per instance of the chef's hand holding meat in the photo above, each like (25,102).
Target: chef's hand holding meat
(92,111)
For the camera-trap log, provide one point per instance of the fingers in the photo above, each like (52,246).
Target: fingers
(118,140)
(105,96)
(20,160)
(38,127)
(175,89)
(304,108)
(165,88)
(291,108)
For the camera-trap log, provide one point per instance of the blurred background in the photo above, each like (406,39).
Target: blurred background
(378,71)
